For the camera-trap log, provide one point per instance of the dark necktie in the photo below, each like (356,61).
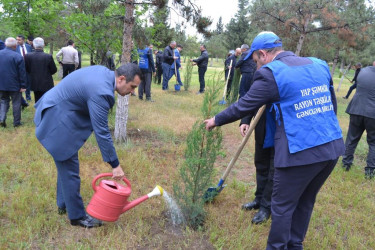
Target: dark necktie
(23,51)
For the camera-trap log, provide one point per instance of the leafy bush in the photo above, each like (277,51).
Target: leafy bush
(187,75)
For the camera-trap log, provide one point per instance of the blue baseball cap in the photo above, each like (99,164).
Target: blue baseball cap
(265,40)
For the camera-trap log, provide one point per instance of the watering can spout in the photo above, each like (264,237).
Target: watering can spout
(158,190)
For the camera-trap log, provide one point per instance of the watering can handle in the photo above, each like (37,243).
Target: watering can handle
(94,186)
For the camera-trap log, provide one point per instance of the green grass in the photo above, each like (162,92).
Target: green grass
(343,217)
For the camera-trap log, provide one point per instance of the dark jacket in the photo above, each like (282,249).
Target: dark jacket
(356,74)
(247,66)
(12,71)
(159,58)
(265,91)
(168,55)
(202,61)
(151,65)
(40,67)
(2,45)
(363,102)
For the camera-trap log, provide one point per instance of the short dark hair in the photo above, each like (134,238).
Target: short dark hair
(179,46)
(204,46)
(70,42)
(30,38)
(21,36)
(129,70)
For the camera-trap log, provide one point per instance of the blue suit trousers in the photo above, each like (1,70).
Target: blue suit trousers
(166,75)
(293,198)
(68,187)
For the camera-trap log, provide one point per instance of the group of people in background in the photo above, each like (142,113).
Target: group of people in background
(25,68)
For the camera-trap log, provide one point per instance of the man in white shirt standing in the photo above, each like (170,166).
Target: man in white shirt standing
(69,60)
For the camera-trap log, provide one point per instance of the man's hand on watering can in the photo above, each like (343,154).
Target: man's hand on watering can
(117,173)
(210,123)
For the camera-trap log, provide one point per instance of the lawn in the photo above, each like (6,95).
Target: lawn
(343,218)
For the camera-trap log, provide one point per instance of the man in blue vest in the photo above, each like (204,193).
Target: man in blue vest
(146,64)
(307,138)
(66,116)
(176,66)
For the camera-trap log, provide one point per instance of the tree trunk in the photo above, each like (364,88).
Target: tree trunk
(303,35)
(342,78)
(123,101)
(211,62)
(335,60)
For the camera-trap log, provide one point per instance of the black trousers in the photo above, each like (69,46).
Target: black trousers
(351,89)
(145,86)
(229,85)
(357,125)
(201,73)
(159,73)
(264,165)
(38,95)
(67,69)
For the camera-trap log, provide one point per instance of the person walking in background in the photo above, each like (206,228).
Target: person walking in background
(65,117)
(307,142)
(69,60)
(24,48)
(231,59)
(12,82)
(362,117)
(247,68)
(110,60)
(40,67)
(146,64)
(358,67)
(175,67)
(202,63)
(159,65)
(168,60)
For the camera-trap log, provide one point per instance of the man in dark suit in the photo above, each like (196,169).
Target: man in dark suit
(12,82)
(65,117)
(168,60)
(306,133)
(202,63)
(247,68)
(24,48)
(159,66)
(40,67)
(362,117)
(229,64)
(358,67)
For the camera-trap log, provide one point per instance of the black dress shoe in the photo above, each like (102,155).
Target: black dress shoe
(251,205)
(18,125)
(86,222)
(61,211)
(3,124)
(24,105)
(261,216)
(346,167)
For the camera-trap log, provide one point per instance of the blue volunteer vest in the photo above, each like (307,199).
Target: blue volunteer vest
(143,58)
(305,103)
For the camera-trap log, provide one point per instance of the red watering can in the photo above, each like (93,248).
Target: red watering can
(110,199)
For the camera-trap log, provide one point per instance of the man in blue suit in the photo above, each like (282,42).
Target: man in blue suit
(23,48)
(304,131)
(65,117)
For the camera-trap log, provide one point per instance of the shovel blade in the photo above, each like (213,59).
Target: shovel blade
(222,102)
(212,192)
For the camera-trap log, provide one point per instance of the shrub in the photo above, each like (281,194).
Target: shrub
(201,151)
(187,75)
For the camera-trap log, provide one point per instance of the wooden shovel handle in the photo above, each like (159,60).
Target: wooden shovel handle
(253,123)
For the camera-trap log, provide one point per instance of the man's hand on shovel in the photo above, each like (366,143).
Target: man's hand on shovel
(244,128)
